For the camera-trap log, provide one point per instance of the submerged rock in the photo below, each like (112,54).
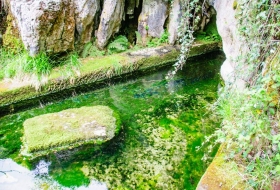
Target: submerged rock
(69,129)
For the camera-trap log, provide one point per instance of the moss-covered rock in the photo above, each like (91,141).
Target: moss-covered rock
(11,38)
(69,129)
(222,174)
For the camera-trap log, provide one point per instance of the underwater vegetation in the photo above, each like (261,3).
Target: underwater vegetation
(163,123)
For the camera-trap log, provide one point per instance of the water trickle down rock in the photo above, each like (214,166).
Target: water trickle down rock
(110,21)
(152,18)
(45,25)
(86,12)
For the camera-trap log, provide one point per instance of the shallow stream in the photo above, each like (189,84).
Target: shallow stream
(163,123)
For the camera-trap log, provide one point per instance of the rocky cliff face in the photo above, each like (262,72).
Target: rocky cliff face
(152,18)
(45,25)
(110,21)
(57,26)
(232,46)
(3,17)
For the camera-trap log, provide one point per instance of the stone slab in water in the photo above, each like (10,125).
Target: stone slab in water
(69,129)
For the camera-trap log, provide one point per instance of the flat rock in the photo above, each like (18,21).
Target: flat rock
(69,129)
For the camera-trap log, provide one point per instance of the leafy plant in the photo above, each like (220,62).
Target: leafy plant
(153,42)
(186,30)
(91,50)
(251,117)
(119,44)
(164,37)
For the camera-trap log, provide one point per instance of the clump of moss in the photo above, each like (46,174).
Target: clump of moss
(235,4)
(70,128)
(11,39)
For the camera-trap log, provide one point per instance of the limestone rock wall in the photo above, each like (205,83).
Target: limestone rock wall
(3,18)
(174,21)
(232,46)
(57,26)
(45,25)
(110,21)
(152,18)
(86,19)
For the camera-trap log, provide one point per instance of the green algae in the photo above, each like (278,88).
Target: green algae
(163,122)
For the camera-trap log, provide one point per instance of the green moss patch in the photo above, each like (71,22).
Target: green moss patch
(222,174)
(70,128)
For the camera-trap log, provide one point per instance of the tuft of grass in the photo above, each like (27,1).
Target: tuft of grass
(71,65)
(39,65)
(20,65)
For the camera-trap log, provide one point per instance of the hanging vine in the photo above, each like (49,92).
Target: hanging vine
(189,20)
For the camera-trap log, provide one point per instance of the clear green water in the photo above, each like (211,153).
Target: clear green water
(163,123)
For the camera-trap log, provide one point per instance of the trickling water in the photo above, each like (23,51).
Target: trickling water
(163,123)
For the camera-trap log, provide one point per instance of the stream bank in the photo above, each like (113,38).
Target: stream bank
(98,71)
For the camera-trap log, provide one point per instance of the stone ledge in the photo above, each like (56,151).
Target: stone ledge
(95,71)
(221,174)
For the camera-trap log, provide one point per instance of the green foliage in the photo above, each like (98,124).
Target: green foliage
(119,44)
(208,37)
(39,65)
(71,65)
(20,65)
(251,117)
(36,69)
(190,9)
(91,50)
(158,41)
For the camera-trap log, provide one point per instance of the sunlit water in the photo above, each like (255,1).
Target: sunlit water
(163,123)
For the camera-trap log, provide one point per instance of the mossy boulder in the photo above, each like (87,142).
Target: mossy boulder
(69,129)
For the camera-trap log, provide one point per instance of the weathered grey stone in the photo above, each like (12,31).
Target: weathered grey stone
(45,25)
(110,21)
(174,21)
(85,14)
(152,18)
(232,46)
